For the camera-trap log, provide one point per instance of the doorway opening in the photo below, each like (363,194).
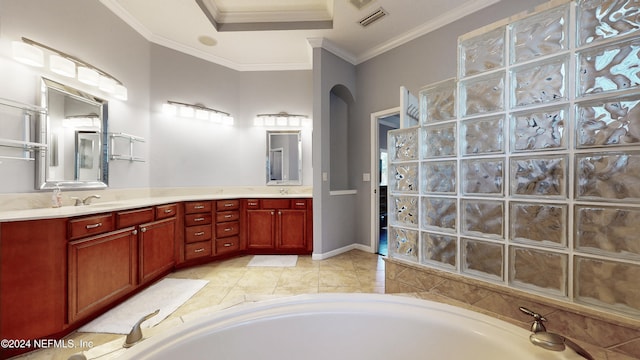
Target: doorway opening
(381,123)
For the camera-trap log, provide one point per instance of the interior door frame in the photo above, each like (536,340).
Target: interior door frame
(375,181)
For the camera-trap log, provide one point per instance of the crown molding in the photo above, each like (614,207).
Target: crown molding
(332,48)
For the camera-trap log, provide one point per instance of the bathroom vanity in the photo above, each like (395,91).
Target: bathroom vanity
(63,267)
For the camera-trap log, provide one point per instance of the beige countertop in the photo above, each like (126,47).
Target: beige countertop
(97,206)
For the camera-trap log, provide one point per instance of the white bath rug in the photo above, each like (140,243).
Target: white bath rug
(166,295)
(274,260)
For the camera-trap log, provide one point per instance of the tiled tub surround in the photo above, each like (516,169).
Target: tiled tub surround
(524,174)
(605,336)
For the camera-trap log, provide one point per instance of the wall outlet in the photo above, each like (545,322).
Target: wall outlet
(366,177)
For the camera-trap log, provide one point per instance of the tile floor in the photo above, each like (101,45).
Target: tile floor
(232,282)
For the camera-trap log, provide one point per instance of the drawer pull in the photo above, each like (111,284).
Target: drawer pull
(253,204)
(228,245)
(228,229)
(228,216)
(300,204)
(93,226)
(198,207)
(198,219)
(198,250)
(199,233)
(228,205)
(168,211)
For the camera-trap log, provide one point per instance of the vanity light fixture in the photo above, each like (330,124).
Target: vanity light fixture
(197,111)
(31,53)
(282,119)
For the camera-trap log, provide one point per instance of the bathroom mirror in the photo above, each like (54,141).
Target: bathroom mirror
(75,131)
(284,158)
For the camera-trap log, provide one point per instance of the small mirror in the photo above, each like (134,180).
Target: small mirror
(284,158)
(75,130)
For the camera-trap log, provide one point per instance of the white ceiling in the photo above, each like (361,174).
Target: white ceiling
(178,24)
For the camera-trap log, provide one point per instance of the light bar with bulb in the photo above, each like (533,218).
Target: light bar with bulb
(281,119)
(197,111)
(31,53)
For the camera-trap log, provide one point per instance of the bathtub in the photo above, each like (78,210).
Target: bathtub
(345,326)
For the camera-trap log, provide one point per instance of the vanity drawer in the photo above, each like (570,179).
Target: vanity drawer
(227,216)
(299,204)
(133,217)
(166,211)
(224,205)
(192,207)
(91,225)
(197,219)
(196,250)
(227,245)
(227,229)
(276,203)
(253,204)
(197,233)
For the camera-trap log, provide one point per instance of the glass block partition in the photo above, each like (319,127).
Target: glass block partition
(525,171)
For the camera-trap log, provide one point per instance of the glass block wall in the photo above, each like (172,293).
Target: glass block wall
(525,170)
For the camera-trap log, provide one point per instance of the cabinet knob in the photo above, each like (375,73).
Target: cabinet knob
(135,232)
(273,213)
(143,229)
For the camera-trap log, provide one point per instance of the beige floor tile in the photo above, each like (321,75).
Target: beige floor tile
(299,277)
(221,276)
(343,263)
(260,277)
(292,291)
(338,278)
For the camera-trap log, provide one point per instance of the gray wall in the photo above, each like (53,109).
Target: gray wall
(425,60)
(179,152)
(198,153)
(87,30)
(333,215)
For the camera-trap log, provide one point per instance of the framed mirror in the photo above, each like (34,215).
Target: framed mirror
(284,157)
(75,131)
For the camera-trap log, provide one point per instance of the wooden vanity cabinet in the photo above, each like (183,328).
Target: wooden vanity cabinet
(110,255)
(227,227)
(279,225)
(198,232)
(33,274)
(102,269)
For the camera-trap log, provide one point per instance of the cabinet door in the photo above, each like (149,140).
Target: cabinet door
(292,226)
(260,229)
(102,269)
(32,279)
(157,254)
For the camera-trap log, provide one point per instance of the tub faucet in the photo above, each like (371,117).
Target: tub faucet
(549,340)
(135,335)
(85,201)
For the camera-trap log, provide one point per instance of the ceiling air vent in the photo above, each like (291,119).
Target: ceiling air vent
(373,17)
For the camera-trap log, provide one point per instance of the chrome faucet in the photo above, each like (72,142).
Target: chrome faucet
(135,335)
(549,340)
(85,201)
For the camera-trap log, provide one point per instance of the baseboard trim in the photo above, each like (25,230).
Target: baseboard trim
(341,250)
